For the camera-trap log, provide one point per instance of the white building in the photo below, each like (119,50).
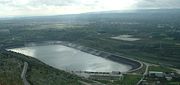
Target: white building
(156,74)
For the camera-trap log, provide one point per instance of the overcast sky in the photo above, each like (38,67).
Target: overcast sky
(56,7)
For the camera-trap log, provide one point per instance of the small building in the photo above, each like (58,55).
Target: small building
(115,73)
(169,78)
(156,74)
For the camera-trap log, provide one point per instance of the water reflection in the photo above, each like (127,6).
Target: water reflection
(66,58)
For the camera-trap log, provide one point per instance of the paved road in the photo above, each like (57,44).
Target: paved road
(23,74)
(177,70)
(145,73)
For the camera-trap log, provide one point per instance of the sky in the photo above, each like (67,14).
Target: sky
(9,8)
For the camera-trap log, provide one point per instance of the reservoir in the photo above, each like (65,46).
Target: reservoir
(70,59)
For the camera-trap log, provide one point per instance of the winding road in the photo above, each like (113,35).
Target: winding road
(145,73)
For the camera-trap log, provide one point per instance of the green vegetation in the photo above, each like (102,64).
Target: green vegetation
(173,83)
(160,69)
(128,79)
(10,70)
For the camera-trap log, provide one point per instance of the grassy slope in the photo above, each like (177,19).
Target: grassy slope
(10,70)
(11,65)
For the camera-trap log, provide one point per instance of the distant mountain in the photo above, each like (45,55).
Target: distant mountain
(141,15)
(136,11)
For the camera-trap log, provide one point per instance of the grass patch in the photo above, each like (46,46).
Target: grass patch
(160,68)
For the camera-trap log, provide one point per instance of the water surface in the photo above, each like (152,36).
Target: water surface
(67,58)
(125,38)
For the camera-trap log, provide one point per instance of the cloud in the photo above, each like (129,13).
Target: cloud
(158,4)
(52,2)
(54,7)
(44,7)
